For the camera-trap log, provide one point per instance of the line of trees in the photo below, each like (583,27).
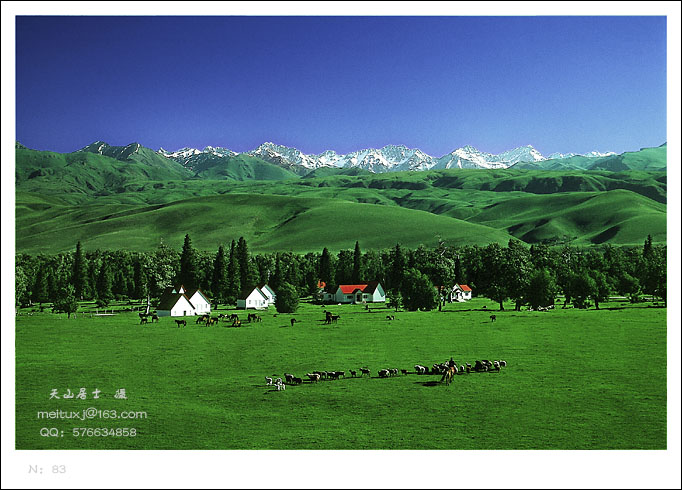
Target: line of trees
(413,278)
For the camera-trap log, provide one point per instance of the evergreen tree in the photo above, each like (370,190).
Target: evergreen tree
(246,277)
(234,284)
(344,267)
(326,273)
(40,293)
(219,280)
(459,274)
(276,278)
(357,276)
(188,276)
(398,264)
(139,280)
(103,286)
(648,248)
(78,276)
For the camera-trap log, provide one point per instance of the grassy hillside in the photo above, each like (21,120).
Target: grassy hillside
(240,167)
(646,160)
(617,217)
(86,174)
(134,202)
(267,222)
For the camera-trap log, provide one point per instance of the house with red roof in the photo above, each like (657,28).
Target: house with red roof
(460,292)
(363,292)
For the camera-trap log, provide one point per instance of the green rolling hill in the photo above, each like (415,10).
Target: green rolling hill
(127,197)
(267,222)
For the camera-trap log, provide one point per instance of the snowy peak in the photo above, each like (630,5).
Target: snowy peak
(390,158)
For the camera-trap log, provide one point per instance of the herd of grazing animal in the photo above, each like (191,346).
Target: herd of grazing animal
(208,320)
(443,369)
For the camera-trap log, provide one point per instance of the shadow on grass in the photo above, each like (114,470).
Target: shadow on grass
(428,383)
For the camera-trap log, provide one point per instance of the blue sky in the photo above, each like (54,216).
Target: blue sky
(342,83)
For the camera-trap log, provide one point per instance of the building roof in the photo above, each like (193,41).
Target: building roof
(247,292)
(169,299)
(365,287)
(192,292)
(464,287)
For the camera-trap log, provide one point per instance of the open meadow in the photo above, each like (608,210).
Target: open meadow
(575,379)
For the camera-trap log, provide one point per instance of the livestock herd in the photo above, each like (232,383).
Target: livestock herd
(443,369)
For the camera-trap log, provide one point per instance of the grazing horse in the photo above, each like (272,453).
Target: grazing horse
(181,322)
(448,375)
(493,318)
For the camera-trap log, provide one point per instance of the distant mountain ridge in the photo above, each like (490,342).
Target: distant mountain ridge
(390,158)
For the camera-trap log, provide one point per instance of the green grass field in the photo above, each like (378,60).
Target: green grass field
(576,379)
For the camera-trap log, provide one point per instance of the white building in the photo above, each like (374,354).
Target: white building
(364,292)
(177,301)
(460,292)
(253,298)
(267,291)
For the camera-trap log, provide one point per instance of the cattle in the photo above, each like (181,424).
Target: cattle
(461,369)
(420,369)
(237,323)
(333,375)
(202,319)
(233,317)
(393,372)
(155,317)
(353,373)
(403,371)
(296,381)
(493,318)
(268,380)
(293,320)
(364,371)
(313,377)
(341,373)
(496,365)
(503,363)
(288,377)
(143,319)
(334,318)
(383,373)
(181,322)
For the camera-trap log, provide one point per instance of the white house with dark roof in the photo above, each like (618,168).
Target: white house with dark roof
(253,298)
(268,291)
(177,301)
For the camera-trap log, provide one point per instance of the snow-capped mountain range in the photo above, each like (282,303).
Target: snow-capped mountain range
(390,158)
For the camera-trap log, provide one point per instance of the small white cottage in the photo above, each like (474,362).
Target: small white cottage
(252,298)
(460,292)
(202,306)
(267,291)
(177,301)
